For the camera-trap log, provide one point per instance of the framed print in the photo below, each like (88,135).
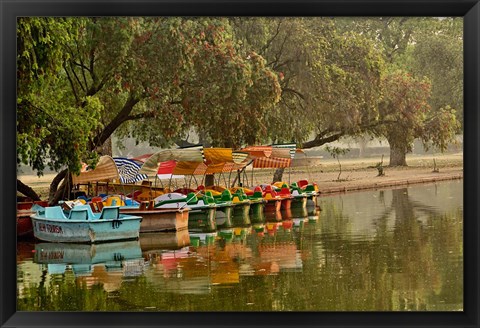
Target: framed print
(239,163)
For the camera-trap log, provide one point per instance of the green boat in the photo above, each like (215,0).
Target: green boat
(201,214)
(257,206)
(299,196)
(241,208)
(224,204)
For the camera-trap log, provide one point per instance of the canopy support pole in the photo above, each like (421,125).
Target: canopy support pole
(253,184)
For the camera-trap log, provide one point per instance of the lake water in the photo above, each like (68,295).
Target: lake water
(383,250)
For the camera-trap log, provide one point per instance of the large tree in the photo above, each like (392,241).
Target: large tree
(424,48)
(406,115)
(167,74)
(330,78)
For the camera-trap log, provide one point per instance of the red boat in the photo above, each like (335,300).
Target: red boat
(24,222)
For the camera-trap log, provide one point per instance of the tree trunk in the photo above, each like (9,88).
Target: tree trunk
(209,180)
(278,175)
(106,148)
(54,184)
(63,191)
(397,156)
(27,191)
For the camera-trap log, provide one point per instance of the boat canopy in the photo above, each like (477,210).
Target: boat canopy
(105,170)
(194,161)
(117,168)
(274,156)
(151,165)
(128,170)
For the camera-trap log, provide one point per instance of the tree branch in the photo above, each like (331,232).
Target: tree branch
(54,184)
(121,117)
(27,191)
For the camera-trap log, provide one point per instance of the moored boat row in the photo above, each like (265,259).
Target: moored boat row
(160,209)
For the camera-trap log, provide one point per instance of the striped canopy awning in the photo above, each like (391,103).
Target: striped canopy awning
(271,162)
(128,170)
(105,170)
(274,156)
(195,168)
(258,151)
(151,165)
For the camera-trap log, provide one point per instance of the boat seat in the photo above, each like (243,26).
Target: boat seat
(208,198)
(192,199)
(54,212)
(110,213)
(90,214)
(114,201)
(309,188)
(302,183)
(226,196)
(79,214)
(96,199)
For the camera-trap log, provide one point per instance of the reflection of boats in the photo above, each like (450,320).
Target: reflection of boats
(273,216)
(111,254)
(295,213)
(199,239)
(257,206)
(164,240)
(82,225)
(241,208)
(106,263)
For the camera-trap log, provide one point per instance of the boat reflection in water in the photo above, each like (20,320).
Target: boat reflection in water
(164,240)
(107,263)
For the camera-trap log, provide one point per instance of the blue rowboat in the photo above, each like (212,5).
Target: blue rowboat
(83,226)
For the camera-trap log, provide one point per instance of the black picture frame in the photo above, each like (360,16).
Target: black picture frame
(469,9)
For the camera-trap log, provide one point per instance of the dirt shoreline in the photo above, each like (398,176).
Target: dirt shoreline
(369,180)
(357,174)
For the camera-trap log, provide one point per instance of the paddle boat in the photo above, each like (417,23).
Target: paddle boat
(241,209)
(284,193)
(300,196)
(257,206)
(154,219)
(273,201)
(311,190)
(83,226)
(201,214)
(224,204)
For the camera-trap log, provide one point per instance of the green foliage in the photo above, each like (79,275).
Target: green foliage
(336,152)
(52,130)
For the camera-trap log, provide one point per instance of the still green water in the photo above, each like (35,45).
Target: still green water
(389,250)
